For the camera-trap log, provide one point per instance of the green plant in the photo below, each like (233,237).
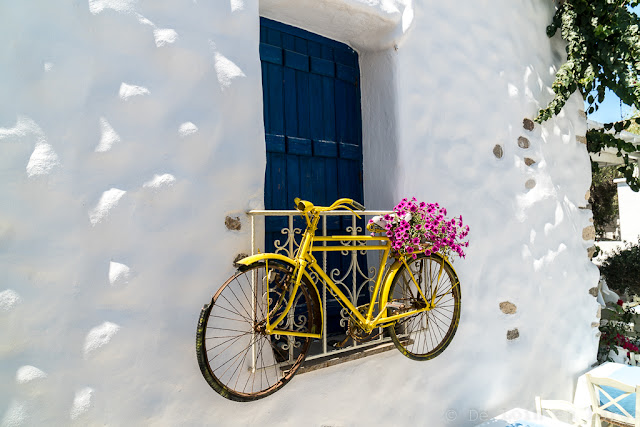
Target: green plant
(621,270)
(613,334)
(603,51)
(603,197)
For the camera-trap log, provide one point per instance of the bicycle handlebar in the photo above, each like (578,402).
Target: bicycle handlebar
(305,206)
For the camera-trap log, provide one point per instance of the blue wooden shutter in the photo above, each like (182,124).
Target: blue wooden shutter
(313,126)
(312,117)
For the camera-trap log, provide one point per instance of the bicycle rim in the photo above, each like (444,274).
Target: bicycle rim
(425,335)
(236,357)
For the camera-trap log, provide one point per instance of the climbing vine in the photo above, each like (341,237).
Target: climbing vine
(603,51)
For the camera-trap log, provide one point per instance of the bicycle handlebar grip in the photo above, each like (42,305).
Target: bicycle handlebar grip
(302,205)
(358,206)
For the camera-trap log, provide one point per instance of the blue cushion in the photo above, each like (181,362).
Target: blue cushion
(628,403)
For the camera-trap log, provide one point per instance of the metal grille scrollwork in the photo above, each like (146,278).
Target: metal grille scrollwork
(355,278)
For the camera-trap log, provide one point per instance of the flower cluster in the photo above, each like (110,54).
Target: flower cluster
(423,227)
(613,333)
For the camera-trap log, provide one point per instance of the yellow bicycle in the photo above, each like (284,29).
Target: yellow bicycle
(244,339)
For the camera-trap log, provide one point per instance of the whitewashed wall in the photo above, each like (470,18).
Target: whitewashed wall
(130,129)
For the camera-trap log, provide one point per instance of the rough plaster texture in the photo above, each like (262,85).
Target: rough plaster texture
(104,173)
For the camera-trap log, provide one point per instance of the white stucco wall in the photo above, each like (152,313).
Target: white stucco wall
(130,129)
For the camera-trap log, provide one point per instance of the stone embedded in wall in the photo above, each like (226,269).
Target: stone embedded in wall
(587,195)
(595,324)
(581,139)
(158,181)
(523,142)
(42,160)
(108,136)
(589,233)
(9,299)
(127,91)
(528,124)
(187,128)
(599,312)
(118,274)
(512,334)
(28,373)
(582,114)
(530,184)
(233,223)
(107,202)
(498,151)
(226,70)
(237,5)
(591,251)
(164,36)
(81,402)
(238,258)
(508,307)
(99,336)
(528,161)
(593,291)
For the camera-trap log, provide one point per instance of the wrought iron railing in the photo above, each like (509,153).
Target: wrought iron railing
(354,282)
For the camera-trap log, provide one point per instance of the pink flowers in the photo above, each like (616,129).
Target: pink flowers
(624,342)
(423,227)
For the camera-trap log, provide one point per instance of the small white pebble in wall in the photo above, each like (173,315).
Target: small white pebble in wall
(145,21)
(16,415)
(81,402)
(127,91)
(187,128)
(42,160)
(226,70)
(28,373)
(9,299)
(99,336)
(237,5)
(48,66)
(108,136)
(108,201)
(158,181)
(24,126)
(97,6)
(118,274)
(164,36)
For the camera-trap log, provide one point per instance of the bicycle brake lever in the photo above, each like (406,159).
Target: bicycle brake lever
(358,206)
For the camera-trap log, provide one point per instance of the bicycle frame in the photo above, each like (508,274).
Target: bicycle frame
(304,261)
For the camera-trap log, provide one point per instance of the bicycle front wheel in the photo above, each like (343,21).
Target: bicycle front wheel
(425,335)
(236,356)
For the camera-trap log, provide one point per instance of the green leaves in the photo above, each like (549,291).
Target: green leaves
(603,51)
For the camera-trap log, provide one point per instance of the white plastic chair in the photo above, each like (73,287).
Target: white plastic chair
(549,406)
(600,412)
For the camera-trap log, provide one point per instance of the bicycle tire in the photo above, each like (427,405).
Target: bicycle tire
(425,335)
(238,359)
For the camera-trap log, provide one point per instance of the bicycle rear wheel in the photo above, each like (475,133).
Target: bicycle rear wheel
(425,335)
(236,356)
